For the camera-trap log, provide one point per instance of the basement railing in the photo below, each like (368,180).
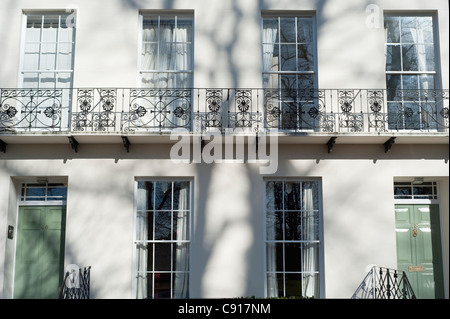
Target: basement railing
(384,283)
(76,284)
(131,110)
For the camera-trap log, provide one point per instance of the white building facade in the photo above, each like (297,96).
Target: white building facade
(216,149)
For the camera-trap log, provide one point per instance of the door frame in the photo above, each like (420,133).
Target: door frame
(435,201)
(29,203)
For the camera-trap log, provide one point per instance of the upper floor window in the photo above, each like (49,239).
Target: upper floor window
(411,74)
(289,69)
(48,51)
(166,51)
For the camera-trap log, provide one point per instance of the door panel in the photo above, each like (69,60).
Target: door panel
(418,248)
(39,252)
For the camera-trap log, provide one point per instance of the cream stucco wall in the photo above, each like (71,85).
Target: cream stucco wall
(227,257)
(227,254)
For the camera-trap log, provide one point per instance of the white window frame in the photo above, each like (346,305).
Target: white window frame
(136,241)
(321,271)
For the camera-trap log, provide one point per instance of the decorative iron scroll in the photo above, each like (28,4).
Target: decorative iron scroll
(96,110)
(348,119)
(151,109)
(30,109)
(242,113)
(304,110)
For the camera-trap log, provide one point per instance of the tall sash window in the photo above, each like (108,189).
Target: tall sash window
(47,66)
(411,76)
(162,239)
(293,239)
(166,72)
(289,70)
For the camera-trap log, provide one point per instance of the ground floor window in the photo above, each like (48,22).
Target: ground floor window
(162,239)
(293,239)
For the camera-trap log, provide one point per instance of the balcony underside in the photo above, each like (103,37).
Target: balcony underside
(308,138)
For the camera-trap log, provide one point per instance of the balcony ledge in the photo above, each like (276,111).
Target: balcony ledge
(283,137)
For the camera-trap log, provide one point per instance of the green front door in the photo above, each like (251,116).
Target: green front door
(419,252)
(39,264)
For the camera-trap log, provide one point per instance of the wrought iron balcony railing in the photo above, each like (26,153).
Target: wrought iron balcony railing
(384,283)
(128,111)
(76,284)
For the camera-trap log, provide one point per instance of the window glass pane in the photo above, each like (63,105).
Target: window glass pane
(33,32)
(162,286)
(409,55)
(426,82)
(393,58)
(288,85)
(274,257)
(288,57)
(50,29)
(180,285)
(305,58)
(144,198)
(274,225)
(293,285)
(181,195)
(292,257)
(35,193)
(410,82)
(180,225)
(426,57)
(409,30)
(184,29)
(48,56)
(293,226)
(145,255)
(287,30)
(31,59)
(392,29)
(163,195)
(270,30)
(150,29)
(64,56)
(426,28)
(149,58)
(310,226)
(163,225)
(56,192)
(292,199)
(163,253)
(144,225)
(394,83)
(305,30)
(306,83)
(274,196)
(310,196)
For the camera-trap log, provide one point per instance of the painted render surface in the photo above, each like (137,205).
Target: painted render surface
(228,243)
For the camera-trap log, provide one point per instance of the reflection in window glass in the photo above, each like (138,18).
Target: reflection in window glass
(425,190)
(43,192)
